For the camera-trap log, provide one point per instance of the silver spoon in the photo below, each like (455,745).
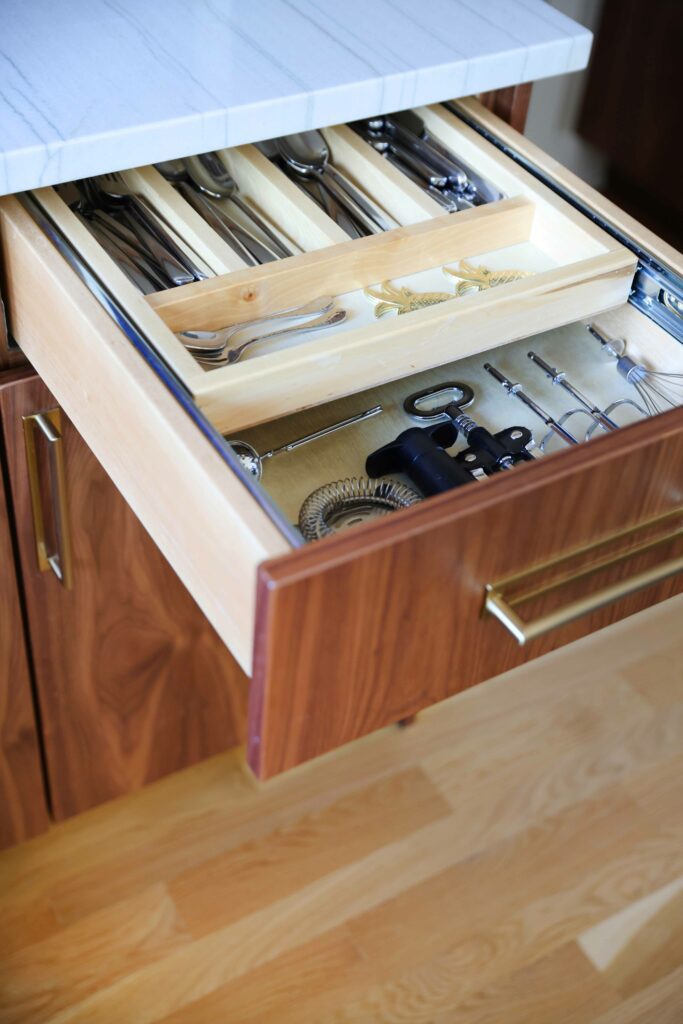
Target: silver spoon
(307,154)
(209,173)
(253,462)
(233,354)
(216,341)
(251,249)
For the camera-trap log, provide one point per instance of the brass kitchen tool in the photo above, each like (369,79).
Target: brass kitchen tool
(478,279)
(392,299)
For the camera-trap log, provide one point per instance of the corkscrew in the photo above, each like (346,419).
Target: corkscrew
(490,452)
(419,453)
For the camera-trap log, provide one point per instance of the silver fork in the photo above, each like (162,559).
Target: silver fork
(178,267)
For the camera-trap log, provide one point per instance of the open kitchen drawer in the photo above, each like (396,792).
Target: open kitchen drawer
(350,633)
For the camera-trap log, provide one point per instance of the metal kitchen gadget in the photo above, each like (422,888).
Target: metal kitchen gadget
(431,402)
(559,378)
(657,390)
(515,390)
(488,452)
(491,452)
(252,461)
(344,503)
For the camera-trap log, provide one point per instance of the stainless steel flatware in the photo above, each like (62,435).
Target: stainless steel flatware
(253,462)
(410,129)
(407,143)
(117,241)
(447,200)
(231,355)
(384,142)
(189,178)
(307,154)
(217,341)
(172,260)
(210,174)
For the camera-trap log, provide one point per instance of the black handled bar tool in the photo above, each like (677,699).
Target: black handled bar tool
(538,410)
(419,453)
(487,451)
(560,377)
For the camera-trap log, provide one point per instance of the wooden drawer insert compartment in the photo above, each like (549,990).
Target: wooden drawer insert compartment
(582,272)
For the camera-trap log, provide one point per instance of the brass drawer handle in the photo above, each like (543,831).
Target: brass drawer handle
(496,604)
(60,560)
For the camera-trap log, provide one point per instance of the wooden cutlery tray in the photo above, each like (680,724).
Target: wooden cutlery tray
(581,272)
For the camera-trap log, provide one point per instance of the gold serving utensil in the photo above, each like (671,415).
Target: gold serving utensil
(391,299)
(471,278)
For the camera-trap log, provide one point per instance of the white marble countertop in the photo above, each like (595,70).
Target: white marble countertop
(88,86)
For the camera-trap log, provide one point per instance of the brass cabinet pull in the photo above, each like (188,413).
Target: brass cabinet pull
(60,560)
(495,603)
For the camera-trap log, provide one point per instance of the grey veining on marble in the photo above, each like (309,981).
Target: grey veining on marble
(88,86)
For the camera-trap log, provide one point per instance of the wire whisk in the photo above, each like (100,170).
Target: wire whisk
(658,391)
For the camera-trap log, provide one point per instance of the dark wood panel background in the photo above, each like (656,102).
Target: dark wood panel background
(360,631)
(133,682)
(23,810)
(632,110)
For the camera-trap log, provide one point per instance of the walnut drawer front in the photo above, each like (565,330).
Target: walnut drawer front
(352,633)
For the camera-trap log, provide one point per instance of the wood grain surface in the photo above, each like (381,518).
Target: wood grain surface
(200,514)
(365,629)
(515,856)
(589,197)
(23,810)
(133,683)
(511,104)
(344,267)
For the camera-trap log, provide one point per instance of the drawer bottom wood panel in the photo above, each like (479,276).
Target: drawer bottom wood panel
(362,631)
